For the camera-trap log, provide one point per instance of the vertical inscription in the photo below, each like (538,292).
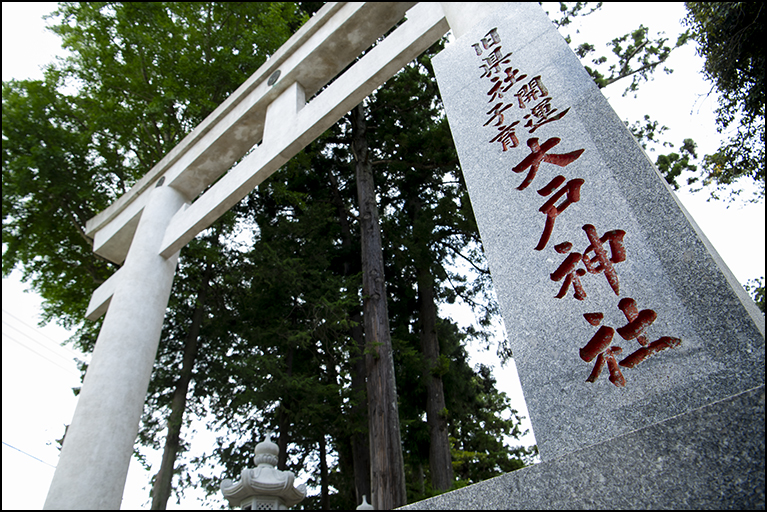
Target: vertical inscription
(519,104)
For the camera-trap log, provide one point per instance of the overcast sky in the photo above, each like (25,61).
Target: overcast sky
(38,374)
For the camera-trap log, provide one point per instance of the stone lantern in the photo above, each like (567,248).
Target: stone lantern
(265,487)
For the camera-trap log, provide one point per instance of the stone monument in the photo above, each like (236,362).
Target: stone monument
(640,355)
(265,487)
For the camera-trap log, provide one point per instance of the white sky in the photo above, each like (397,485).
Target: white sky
(38,374)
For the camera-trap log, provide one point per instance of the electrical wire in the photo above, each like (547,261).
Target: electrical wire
(28,455)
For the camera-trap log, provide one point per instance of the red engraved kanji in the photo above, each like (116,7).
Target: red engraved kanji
(599,347)
(573,190)
(594,318)
(542,114)
(638,321)
(494,62)
(656,346)
(503,85)
(634,329)
(531,91)
(496,113)
(568,271)
(491,39)
(539,154)
(616,377)
(601,262)
(507,136)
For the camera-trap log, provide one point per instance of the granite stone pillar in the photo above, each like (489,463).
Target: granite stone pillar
(594,261)
(628,330)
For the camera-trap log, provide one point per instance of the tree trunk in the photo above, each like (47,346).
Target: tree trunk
(283,419)
(440,462)
(419,478)
(358,410)
(163,480)
(387,470)
(324,495)
(359,417)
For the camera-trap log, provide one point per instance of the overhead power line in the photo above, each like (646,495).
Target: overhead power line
(64,353)
(28,455)
(24,345)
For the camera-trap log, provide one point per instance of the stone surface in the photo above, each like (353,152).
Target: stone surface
(709,458)
(93,462)
(669,267)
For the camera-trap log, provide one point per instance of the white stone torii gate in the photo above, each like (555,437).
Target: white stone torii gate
(147,226)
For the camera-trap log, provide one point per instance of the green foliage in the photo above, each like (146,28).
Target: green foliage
(289,306)
(147,66)
(428,218)
(275,349)
(427,224)
(647,131)
(143,76)
(637,57)
(756,288)
(670,165)
(729,37)
(442,367)
(673,164)
(52,184)
(568,12)
(483,426)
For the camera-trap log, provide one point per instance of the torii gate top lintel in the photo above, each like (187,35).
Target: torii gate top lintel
(312,57)
(271,107)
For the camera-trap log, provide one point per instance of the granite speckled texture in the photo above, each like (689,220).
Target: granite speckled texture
(708,458)
(669,267)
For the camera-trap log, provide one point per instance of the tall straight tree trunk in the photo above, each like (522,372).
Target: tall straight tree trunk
(162,484)
(387,470)
(440,462)
(358,411)
(359,417)
(283,419)
(324,486)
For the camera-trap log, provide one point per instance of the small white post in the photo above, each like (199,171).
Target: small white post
(93,463)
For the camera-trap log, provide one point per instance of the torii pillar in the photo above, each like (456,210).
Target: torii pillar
(99,442)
